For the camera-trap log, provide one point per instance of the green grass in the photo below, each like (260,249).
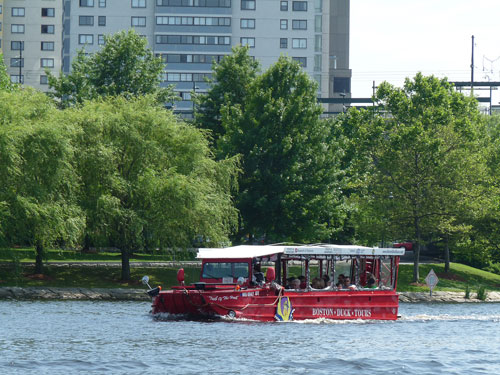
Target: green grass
(92,277)
(456,280)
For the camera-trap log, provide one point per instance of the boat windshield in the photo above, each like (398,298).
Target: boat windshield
(220,270)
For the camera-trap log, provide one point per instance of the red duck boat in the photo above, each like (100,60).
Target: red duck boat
(335,282)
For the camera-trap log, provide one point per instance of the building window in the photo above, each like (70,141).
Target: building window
(48,29)
(17,29)
(102,3)
(250,42)
(195,3)
(300,43)
(341,84)
(86,3)
(284,6)
(86,20)
(193,39)
(301,60)
(299,24)
(85,39)
(138,3)
(190,21)
(47,46)
(44,80)
(48,12)
(1,9)
(300,6)
(283,24)
(248,4)
(247,23)
(283,42)
(17,12)
(317,63)
(138,21)
(14,78)
(101,21)
(47,63)
(100,39)
(17,62)
(17,46)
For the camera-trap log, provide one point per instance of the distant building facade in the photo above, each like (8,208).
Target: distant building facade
(187,34)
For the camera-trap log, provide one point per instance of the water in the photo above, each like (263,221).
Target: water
(121,338)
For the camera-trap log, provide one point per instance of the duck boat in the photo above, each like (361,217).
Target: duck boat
(232,284)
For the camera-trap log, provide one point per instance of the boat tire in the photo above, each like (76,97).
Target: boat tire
(231,314)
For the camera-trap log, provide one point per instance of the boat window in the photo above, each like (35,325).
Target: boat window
(342,267)
(218,270)
(385,273)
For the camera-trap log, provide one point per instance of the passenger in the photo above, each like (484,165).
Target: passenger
(318,283)
(348,285)
(295,284)
(340,281)
(371,283)
(289,282)
(303,283)
(326,280)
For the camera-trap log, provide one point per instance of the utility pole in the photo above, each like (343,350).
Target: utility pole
(472,70)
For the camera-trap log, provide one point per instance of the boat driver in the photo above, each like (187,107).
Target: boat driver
(257,275)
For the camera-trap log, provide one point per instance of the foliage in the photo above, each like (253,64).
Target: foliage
(147,177)
(230,86)
(39,183)
(123,66)
(5,84)
(420,155)
(482,294)
(289,190)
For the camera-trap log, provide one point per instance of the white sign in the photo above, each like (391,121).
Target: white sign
(431,280)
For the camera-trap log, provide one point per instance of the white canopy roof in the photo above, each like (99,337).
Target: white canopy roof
(256,251)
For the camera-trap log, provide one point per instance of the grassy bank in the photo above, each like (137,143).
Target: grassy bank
(17,274)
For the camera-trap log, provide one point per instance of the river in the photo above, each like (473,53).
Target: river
(60,337)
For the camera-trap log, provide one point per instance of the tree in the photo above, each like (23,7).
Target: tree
(423,170)
(290,187)
(146,176)
(4,77)
(124,66)
(39,184)
(232,77)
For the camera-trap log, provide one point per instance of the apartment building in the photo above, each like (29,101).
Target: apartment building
(1,25)
(187,34)
(31,39)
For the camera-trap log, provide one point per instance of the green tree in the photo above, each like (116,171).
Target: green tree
(420,152)
(123,66)
(232,77)
(148,177)
(5,83)
(39,184)
(290,187)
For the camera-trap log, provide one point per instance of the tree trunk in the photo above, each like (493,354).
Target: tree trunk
(416,252)
(447,255)
(39,258)
(125,264)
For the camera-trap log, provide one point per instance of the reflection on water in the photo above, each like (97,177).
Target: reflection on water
(121,338)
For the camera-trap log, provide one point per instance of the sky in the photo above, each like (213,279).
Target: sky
(394,39)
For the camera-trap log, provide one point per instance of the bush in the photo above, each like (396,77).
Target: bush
(481,293)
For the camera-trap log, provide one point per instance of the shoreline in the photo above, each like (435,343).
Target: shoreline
(121,294)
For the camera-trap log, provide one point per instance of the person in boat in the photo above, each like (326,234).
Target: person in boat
(348,285)
(340,281)
(326,280)
(371,283)
(295,284)
(303,282)
(257,275)
(318,283)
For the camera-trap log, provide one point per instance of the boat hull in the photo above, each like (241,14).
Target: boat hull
(264,304)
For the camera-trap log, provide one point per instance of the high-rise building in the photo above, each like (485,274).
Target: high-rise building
(1,25)
(187,34)
(32,39)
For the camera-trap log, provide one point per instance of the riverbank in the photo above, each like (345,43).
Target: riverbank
(119,294)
